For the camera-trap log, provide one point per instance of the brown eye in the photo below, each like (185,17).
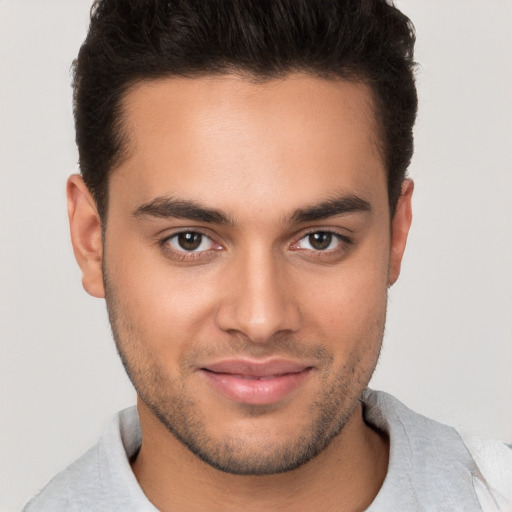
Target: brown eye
(320,241)
(323,245)
(189,241)
(190,246)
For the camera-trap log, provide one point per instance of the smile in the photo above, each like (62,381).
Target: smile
(255,383)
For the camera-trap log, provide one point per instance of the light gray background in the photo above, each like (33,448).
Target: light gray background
(448,346)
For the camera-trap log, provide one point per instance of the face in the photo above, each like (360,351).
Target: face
(248,251)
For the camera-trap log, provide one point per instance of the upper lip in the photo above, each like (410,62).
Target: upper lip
(252,368)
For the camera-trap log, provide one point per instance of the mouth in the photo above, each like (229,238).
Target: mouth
(255,382)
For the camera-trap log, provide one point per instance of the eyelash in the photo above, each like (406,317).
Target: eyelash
(343,239)
(182,255)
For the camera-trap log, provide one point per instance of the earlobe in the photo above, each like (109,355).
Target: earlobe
(399,230)
(85,227)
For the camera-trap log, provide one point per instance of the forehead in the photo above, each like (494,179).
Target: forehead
(226,139)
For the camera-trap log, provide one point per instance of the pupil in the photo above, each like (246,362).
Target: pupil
(320,241)
(189,241)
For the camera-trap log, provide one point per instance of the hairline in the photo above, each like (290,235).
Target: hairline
(251,76)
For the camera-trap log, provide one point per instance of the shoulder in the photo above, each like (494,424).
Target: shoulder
(493,483)
(102,478)
(64,491)
(439,464)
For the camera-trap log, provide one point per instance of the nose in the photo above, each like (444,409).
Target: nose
(259,300)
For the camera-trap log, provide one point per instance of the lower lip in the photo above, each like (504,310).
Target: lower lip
(255,391)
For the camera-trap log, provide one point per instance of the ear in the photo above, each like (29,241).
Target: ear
(85,227)
(399,230)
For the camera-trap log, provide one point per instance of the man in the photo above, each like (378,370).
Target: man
(243,208)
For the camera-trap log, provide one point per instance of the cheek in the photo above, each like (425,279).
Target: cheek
(348,315)
(165,306)
(348,307)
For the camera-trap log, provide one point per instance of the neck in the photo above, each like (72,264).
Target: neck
(347,475)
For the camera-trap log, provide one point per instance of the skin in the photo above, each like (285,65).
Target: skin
(264,156)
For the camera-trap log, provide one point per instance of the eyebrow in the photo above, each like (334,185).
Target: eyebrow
(342,205)
(168,207)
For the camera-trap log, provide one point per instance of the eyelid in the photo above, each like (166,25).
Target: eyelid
(184,255)
(169,233)
(203,240)
(331,231)
(345,243)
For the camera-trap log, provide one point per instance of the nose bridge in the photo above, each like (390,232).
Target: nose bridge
(260,303)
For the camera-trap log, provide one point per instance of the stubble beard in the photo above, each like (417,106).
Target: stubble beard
(169,401)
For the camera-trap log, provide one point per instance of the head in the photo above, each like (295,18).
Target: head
(243,210)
